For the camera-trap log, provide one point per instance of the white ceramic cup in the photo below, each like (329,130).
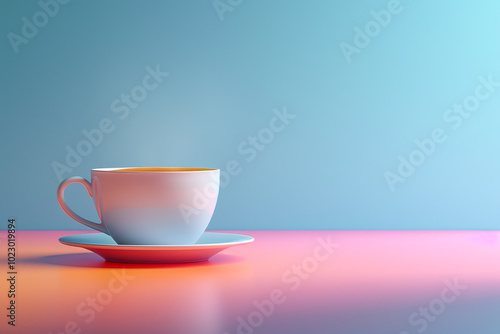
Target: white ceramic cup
(149,205)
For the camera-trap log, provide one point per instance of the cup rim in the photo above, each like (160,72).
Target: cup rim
(151,170)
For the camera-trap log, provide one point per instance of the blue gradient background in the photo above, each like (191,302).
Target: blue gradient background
(324,171)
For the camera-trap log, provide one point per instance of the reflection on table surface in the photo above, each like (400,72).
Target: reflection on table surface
(366,282)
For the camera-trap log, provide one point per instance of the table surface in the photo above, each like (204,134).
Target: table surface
(366,282)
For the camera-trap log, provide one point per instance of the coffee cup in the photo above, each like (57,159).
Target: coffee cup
(149,205)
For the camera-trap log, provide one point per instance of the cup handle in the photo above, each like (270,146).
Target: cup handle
(60,199)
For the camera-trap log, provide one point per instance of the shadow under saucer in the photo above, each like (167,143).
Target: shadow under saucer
(90,260)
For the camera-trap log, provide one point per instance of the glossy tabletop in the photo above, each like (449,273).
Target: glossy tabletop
(352,282)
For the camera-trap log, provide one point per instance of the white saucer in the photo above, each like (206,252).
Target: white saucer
(209,244)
